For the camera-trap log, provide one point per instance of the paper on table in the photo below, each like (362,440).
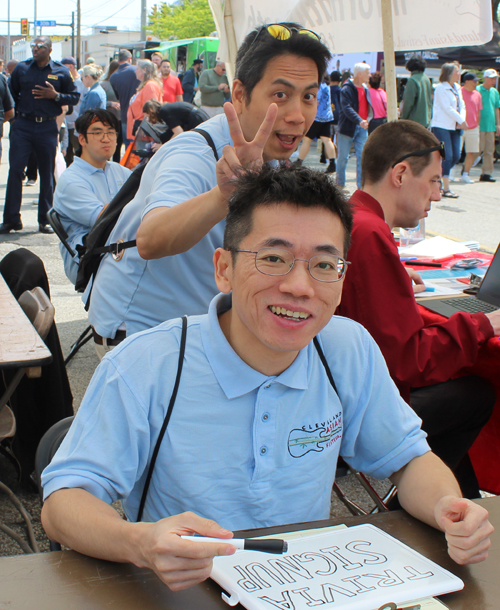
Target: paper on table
(336,568)
(448,286)
(435,247)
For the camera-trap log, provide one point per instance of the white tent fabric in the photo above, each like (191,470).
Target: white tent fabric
(351,26)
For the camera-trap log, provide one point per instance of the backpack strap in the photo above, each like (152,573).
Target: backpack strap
(167,418)
(325,364)
(209,140)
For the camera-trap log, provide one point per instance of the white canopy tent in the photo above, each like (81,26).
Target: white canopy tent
(349,26)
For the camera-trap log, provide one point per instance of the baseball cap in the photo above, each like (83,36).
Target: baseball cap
(490,73)
(69,60)
(470,76)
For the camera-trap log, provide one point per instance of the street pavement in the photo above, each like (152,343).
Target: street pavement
(474,215)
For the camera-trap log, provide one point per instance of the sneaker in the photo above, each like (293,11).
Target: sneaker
(467,179)
(486,178)
(322,159)
(332,167)
(31,183)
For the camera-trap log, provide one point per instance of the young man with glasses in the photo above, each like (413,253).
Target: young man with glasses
(177,215)
(266,363)
(401,172)
(89,183)
(40,88)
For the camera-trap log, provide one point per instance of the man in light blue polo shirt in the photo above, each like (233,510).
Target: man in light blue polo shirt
(90,183)
(257,426)
(178,212)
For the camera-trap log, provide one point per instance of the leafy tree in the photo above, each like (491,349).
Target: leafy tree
(186,19)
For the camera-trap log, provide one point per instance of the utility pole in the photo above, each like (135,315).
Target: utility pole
(34,23)
(144,19)
(73,34)
(78,34)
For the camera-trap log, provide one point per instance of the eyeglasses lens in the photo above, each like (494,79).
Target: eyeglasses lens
(99,135)
(322,267)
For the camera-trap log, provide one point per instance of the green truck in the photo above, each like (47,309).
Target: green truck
(182,53)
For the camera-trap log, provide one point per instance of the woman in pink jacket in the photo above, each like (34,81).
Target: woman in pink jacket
(151,88)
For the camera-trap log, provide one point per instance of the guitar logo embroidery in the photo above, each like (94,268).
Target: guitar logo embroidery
(301,441)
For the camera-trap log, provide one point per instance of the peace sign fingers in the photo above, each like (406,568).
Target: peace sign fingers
(234,125)
(265,129)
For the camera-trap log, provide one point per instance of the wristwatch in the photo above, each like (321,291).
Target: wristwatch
(57,98)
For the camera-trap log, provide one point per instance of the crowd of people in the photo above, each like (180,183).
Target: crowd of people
(190,417)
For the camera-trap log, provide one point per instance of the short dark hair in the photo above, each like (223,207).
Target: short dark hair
(197,61)
(391,141)
(300,187)
(124,54)
(89,117)
(165,60)
(335,76)
(259,48)
(375,79)
(416,64)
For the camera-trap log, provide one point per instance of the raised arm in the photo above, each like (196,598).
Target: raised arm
(166,231)
(428,490)
(79,520)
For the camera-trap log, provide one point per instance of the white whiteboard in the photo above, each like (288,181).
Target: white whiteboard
(356,568)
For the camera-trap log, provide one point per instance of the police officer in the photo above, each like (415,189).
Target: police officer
(40,87)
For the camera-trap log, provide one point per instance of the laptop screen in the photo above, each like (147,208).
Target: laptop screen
(490,286)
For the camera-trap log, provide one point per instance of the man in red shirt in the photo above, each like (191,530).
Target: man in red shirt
(473,106)
(172,88)
(399,183)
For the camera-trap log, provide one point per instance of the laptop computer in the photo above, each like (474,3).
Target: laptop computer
(486,300)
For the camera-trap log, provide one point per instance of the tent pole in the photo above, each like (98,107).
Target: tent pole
(231,41)
(389,60)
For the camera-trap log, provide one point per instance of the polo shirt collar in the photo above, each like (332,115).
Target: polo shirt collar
(87,168)
(235,376)
(362,199)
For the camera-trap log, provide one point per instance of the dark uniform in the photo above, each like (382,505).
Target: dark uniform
(35,129)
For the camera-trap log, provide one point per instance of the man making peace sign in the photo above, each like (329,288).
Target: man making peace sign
(181,203)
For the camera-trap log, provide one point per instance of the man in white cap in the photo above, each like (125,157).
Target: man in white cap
(490,122)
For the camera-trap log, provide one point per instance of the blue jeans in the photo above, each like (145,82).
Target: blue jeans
(451,139)
(344,146)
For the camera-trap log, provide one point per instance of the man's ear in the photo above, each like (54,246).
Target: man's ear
(238,95)
(223,264)
(398,173)
(81,140)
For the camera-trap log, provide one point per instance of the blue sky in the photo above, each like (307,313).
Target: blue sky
(123,13)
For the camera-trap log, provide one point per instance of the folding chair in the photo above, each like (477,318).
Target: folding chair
(56,224)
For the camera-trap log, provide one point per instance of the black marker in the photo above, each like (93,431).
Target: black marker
(265,545)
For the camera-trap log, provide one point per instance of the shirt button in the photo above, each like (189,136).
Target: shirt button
(263,450)
(267,386)
(265,417)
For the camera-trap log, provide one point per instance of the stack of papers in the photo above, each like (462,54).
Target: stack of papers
(435,247)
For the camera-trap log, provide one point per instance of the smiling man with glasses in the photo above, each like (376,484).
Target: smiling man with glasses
(90,182)
(401,169)
(40,88)
(273,389)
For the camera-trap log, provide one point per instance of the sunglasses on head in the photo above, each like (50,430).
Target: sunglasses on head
(422,153)
(283,32)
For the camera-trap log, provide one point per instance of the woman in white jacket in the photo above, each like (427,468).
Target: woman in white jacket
(448,119)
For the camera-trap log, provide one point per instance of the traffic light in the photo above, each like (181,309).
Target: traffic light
(25,27)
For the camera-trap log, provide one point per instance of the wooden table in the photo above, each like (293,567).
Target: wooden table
(21,348)
(67,580)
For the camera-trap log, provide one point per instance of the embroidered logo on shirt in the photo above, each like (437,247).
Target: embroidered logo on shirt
(315,437)
(53,76)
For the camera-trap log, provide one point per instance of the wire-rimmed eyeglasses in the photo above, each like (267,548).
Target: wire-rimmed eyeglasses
(422,153)
(99,134)
(323,267)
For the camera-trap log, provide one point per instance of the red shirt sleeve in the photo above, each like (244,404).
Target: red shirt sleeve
(378,294)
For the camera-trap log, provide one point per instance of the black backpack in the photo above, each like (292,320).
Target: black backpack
(94,247)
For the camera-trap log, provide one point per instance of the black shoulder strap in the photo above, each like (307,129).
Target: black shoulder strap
(166,420)
(209,140)
(325,364)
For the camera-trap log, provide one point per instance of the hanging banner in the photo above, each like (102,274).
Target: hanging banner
(353,26)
